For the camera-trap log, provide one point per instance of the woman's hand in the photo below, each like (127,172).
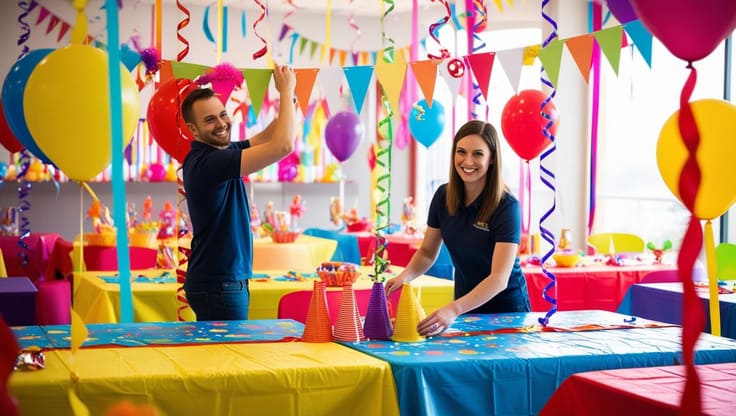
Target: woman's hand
(438,321)
(393,284)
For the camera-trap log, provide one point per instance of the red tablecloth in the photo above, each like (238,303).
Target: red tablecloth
(400,248)
(585,287)
(650,391)
(39,247)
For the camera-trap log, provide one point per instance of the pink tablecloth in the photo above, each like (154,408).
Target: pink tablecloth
(29,261)
(401,247)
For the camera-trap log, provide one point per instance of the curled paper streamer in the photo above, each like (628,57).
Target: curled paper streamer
(388,42)
(26,8)
(24,189)
(356,27)
(434,28)
(181,25)
(383,185)
(261,52)
(547,177)
(181,271)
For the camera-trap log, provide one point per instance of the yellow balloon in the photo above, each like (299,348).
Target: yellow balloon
(716,156)
(66,103)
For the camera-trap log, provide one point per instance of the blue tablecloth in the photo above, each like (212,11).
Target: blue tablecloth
(505,365)
(663,302)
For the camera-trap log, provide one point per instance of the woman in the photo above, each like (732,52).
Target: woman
(479,221)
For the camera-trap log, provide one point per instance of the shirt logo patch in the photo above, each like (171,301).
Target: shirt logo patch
(481,225)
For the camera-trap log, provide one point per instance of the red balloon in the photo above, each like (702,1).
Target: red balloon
(523,123)
(165,120)
(691,30)
(7,138)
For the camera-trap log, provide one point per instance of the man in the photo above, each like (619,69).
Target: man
(221,260)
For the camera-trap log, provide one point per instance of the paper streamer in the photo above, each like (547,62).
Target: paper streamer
(383,185)
(179,27)
(595,19)
(435,27)
(388,42)
(26,8)
(547,177)
(261,52)
(356,28)
(475,43)
(693,318)
(118,183)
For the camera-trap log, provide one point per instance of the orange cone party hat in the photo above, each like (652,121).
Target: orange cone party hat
(318,327)
(408,314)
(348,327)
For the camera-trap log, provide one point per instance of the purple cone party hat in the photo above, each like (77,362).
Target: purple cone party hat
(408,314)
(318,327)
(377,319)
(348,327)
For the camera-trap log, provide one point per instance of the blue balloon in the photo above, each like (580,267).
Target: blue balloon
(12,95)
(427,124)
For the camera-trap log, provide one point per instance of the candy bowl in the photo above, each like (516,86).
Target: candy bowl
(338,274)
(280,236)
(566,258)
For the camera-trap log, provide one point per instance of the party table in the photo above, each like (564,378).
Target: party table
(306,253)
(18,300)
(663,302)
(506,364)
(594,286)
(202,368)
(97,294)
(401,247)
(30,258)
(643,391)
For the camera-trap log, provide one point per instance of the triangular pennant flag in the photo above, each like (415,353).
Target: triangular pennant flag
(43,14)
(391,77)
(302,45)
(581,49)
(551,55)
(312,49)
(304,82)
(609,41)
(330,78)
(642,39)
(359,78)
(482,65)
(452,83)
(343,56)
(79,332)
(257,82)
(425,72)
(52,24)
(186,70)
(512,61)
(64,28)
(285,30)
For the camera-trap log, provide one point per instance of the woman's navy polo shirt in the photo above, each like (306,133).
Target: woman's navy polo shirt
(471,244)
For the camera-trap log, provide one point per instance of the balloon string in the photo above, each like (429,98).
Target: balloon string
(547,177)
(383,185)
(693,319)
(434,29)
(261,52)
(179,27)
(388,42)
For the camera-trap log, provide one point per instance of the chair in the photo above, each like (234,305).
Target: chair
(295,305)
(443,266)
(726,261)
(618,242)
(347,250)
(106,258)
(666,276)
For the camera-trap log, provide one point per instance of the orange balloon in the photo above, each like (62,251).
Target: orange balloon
(716,156)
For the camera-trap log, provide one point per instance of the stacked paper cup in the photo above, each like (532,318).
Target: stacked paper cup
(408,314)
(318,327)
(377,319)
(348,326)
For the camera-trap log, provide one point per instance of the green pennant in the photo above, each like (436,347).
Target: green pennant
(257,81)
(312,48)
(302,44)
(551,55)
(610,42)
(189,71)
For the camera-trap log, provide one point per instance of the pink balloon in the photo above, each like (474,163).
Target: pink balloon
(691,30)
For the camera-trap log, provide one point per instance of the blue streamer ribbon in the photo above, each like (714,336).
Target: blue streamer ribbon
(547,177)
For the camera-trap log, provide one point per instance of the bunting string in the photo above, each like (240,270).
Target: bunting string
(547,177)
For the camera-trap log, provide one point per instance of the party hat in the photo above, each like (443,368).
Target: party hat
(377,320)
(348,327)
(318,327)
(408,314)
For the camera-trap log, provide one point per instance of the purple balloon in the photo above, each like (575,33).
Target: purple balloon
(622,10)
(343,134)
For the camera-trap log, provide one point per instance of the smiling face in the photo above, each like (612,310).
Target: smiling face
(472,159)
(211,122)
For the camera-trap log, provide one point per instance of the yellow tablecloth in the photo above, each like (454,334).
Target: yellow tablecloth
(99,302)
(285,378)
(304,254)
